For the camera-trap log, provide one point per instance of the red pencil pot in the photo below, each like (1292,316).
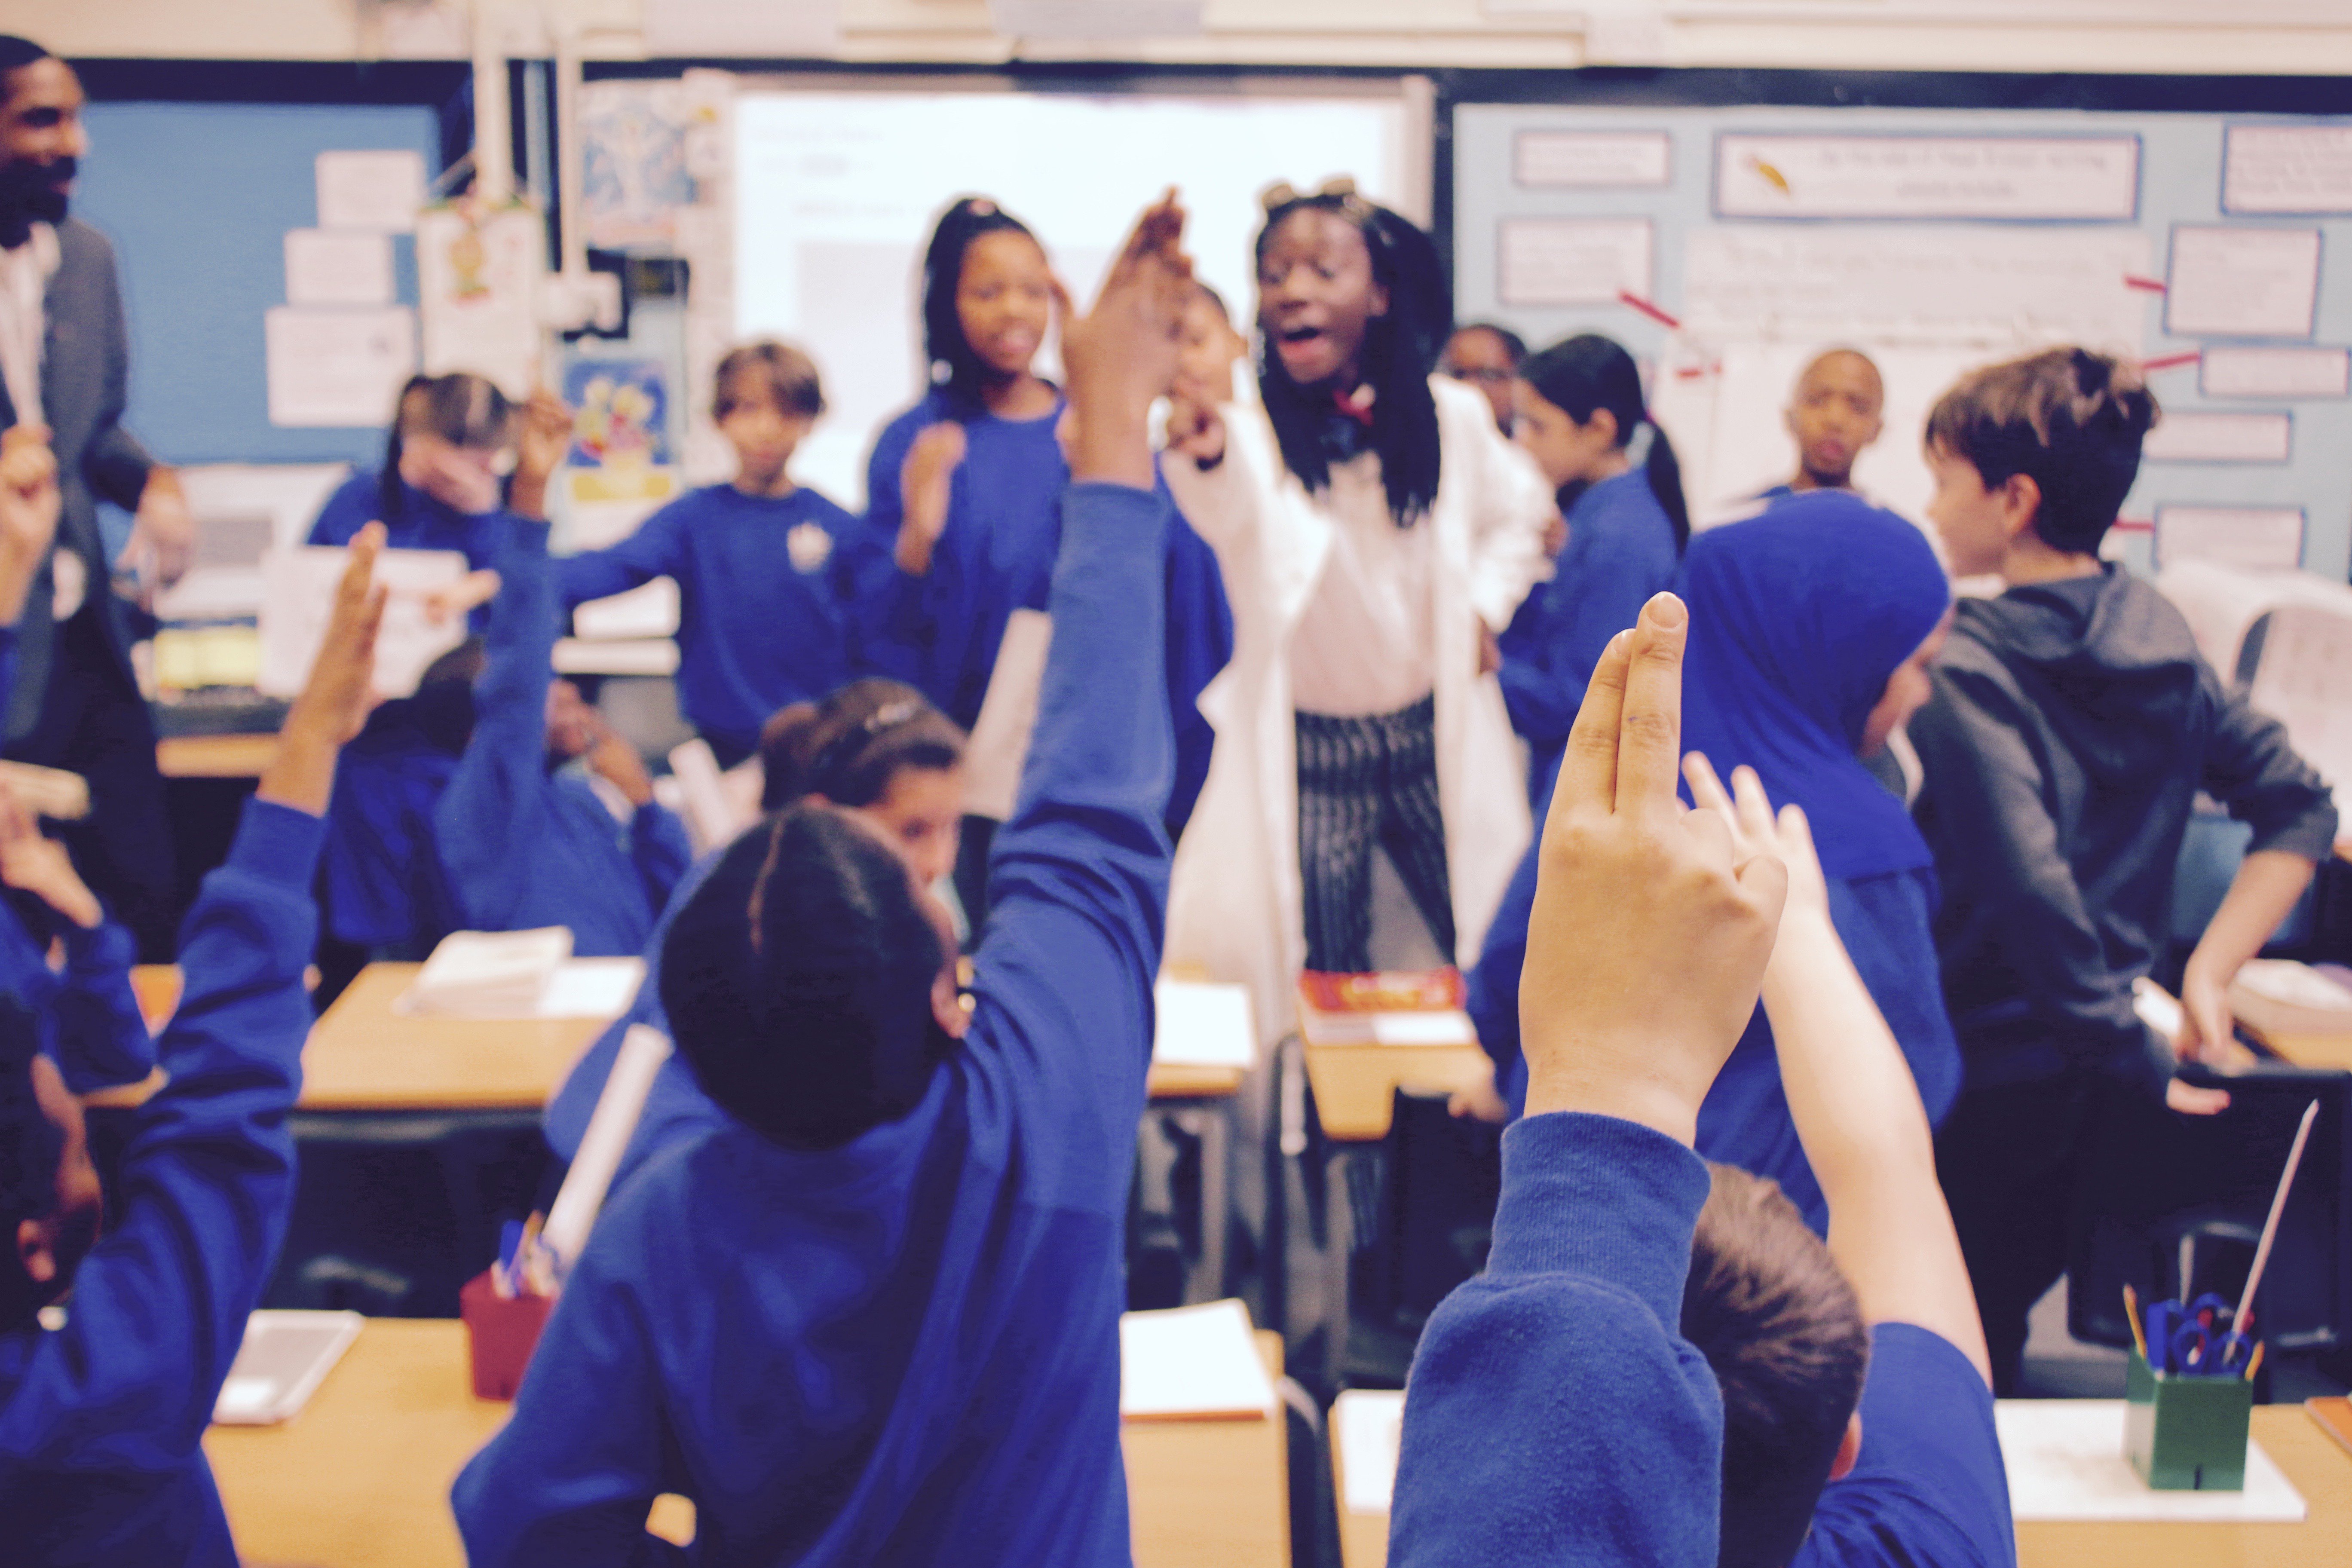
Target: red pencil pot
(500,1333)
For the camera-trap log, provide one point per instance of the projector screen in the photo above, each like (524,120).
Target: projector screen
(835,193)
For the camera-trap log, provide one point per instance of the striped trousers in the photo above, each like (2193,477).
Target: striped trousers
(1361,782)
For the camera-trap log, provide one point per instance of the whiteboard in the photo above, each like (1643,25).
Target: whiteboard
(835,193)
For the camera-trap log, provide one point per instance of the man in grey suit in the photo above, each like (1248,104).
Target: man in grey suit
(65,366)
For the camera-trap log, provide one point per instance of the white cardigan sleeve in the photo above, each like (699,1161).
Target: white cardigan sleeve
(1509,504)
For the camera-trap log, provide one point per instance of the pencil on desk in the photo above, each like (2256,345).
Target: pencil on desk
(2131,1315)
(2254,1361)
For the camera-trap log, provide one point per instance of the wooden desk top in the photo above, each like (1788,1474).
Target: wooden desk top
(2320,1471)
(361,1477)
(214,756)
(1178,1080)
(364,1056)
(1355,1086)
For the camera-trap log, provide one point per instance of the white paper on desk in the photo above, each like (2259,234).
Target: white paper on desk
(283,1358)
(337,367)
(2243,282)
(1190,1364)
(1574,261)
(1368,1424)
(2065,1462)
(1203,1025)
(378,189)
(2286,169)
(337,267)
(591,988)
(299,598)
(999,747)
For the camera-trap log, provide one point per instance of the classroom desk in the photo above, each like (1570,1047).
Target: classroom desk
(361,1477)
(2320,1471)
(214,756)
(364,1056)
(1355,1086)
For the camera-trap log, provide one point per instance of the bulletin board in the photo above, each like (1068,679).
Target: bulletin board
(1726,245)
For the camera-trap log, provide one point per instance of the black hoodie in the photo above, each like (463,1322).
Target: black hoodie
(2072,725)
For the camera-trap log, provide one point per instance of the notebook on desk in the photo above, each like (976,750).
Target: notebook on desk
(284,1358)
(1191,1364)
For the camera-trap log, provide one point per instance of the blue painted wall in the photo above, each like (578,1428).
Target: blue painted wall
(197,199)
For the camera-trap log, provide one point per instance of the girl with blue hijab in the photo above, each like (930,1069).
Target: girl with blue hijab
(1810,630)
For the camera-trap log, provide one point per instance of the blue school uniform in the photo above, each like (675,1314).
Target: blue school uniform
(905,1350)
(521,847)
(1555,1414)
(102,1421)
(1619,551)
(1929,1489)
(939,631)
(766,585)
(1798,617)
(88,1014)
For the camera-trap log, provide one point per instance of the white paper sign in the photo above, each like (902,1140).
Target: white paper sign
(1998,287)
(2258,538)
(2018,177)
(2199,438)
(372,190)
(299,598)
(2287,169)
(2243,282)
(1591,159)
(477,287)
(337,267)
(1573,261)
(1366,1425)
(337,367)
(2228,372)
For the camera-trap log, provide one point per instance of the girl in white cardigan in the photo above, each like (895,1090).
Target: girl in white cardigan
(1376,532)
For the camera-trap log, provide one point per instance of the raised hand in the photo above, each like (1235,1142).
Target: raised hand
(334,703)
(1755,831)
(163,536)
(543,436)
(1650,934)
(925,481)
(1121,355)
(40,865)
(29,504)
(1196,429)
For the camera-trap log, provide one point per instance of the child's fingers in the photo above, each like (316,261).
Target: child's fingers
(1712,829)
(1706,789)
(1764,880)
(1588,767)
(1797,833)
(1649,728)
(1754,806)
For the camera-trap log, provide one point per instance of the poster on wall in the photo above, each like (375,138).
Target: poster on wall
(477,281)
(621,465)
(2197,437)
(2224,371)
(2230,282)
(634,173)
(2016,178)
(1573,261)
(2257,537)
(1591,159)
(337,367)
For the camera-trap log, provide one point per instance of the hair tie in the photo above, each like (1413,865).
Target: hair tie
(837,751)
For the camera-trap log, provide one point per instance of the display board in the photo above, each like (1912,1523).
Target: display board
(1726,246)
(834,194)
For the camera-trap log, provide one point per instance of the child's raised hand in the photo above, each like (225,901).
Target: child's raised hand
(341,689)
(543,435)
(462,597)
(39,865)
(1650,934)
(1755,831)
(1195,427)
(1121,354)
(30,498)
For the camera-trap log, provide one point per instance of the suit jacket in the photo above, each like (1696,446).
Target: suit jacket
(85,379)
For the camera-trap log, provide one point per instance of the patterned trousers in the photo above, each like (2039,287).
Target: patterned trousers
(1365,781)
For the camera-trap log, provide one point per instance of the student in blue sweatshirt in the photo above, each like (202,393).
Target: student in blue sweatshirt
(876,749)
(963,491)
(101,1420)
(549,817)
(767,572)
(438,490)
(1824,1466)
(1811,628)
(1554,1412)
(874,1319)
(1580,409)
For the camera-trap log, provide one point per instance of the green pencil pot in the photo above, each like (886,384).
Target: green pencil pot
(2187,1434)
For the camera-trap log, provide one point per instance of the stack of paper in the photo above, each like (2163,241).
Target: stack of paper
(1202,1025)
(1387,1009)
(284,1358)
(1191,1364)
(477,973)
(2065,1462)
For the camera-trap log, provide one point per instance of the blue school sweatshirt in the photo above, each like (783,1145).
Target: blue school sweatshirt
(1554,1412)
(88,1014)
(1883,922)
(905,1350)
(766,585)
(1929,1489)
(1619,551)
(101,1421)
(939,631)
(521,846)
